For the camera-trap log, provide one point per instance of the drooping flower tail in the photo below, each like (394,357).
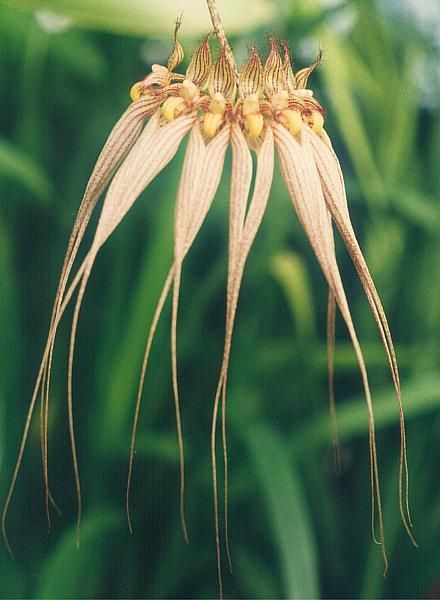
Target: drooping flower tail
(243,227)
(119,142)
(302,180)
(334,193)
(193,202)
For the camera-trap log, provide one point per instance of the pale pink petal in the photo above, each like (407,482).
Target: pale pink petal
(119,142)
(334,192)
(153,150)
(243,227)
(302,180)
(197,189)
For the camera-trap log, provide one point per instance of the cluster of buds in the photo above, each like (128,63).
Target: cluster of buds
(257,96)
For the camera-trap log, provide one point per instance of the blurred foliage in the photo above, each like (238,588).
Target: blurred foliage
(299,529)
(137,17)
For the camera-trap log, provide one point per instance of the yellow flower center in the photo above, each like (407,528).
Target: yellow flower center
(214,116)
(253,119)
(315,120)
(173,107)
(292,120)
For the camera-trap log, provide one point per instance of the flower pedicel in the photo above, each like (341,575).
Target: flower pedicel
(262,109)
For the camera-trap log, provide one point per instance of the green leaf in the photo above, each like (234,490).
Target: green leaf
(420,396)
(417,208)
(162,446)
(290,271)
(72,573)
(17,165)
(255,575)
(140,17)
(351,122)
(287,511)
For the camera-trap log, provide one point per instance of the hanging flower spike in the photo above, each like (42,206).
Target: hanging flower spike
(289,108)
(262,109)
(128,159)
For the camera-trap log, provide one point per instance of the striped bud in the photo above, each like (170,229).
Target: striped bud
(289,77)
(200,65)
(222,79)
(251,77)
(273,70)
(303,75)
(177,54)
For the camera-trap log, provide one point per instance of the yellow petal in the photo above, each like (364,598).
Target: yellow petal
(136,91)
(218,104)
(292,120)
(254,125)
(211,123)
(316,121)
(172,107)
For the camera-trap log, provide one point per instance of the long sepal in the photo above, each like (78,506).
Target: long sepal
(242,231)
(153,150)
(302,180)
(200,178)
(121,139)
(192,212)
(189,183)
(334,192)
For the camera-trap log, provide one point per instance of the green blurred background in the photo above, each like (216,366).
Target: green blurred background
(298,528)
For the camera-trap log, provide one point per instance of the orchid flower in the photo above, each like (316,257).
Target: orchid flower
(265,109)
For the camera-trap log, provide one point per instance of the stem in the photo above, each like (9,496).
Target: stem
(220,33)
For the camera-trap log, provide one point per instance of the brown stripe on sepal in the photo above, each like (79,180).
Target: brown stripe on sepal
(200,65)
(251,76)
(222,78)
(177,55)
(273,70)
(303,75)
(289,77)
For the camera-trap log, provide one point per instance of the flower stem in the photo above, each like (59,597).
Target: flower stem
(220,33)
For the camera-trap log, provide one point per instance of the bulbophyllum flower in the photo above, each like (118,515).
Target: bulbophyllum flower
(265,109)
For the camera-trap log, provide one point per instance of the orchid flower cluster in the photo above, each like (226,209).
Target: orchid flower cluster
(266,108)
